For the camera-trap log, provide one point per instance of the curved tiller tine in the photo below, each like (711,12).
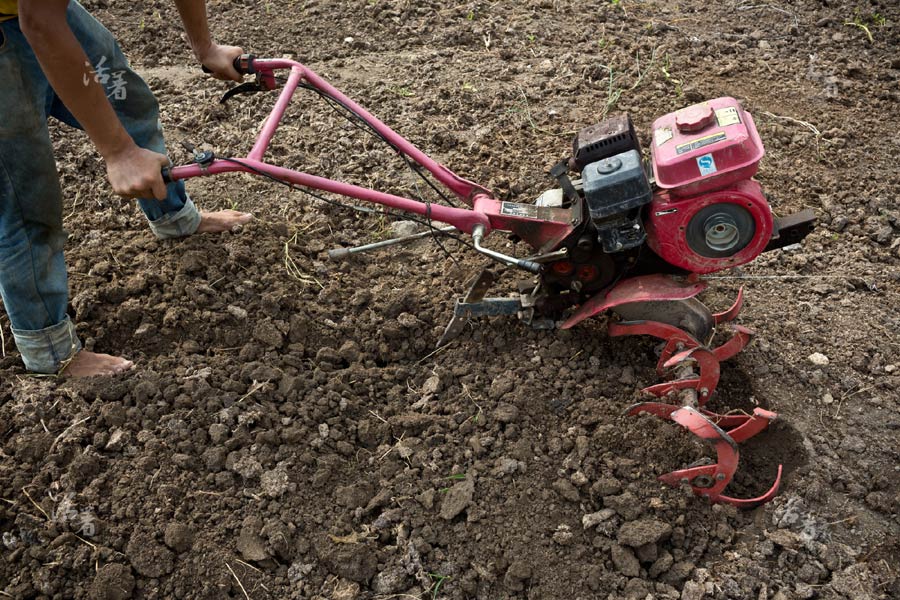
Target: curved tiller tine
(671,347)
(752,425)
(705,384)
(738,342)
(748,503)
(672,335)
(732,313)
(663,331)
(709,481)
(657,409)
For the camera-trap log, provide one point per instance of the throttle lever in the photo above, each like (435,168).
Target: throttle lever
(248,87)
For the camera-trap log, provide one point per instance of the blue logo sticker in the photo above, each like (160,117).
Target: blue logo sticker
(706,164)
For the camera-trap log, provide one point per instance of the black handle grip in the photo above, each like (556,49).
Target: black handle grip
(167,175)
(243,64)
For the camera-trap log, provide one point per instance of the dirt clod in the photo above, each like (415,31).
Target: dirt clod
(457,499)
(643,531)
(178,537)
(113,582)
(148,557)
(625,561)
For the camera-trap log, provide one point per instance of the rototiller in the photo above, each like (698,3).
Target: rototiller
(616,235)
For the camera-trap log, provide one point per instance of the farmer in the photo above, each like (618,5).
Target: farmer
(57,60)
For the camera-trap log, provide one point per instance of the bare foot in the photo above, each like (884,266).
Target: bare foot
(222,220)
(89,364)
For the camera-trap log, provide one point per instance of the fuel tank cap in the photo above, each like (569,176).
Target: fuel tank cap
(694,118)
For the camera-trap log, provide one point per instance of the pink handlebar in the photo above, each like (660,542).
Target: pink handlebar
(462,218)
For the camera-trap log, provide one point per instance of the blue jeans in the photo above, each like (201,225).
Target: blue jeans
(33,280)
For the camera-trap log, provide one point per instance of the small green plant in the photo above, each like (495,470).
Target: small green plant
(665,69)
(402,91)
(615,91)
(454,477)
(866,23)
(468,87)
(470,16)
(438,580)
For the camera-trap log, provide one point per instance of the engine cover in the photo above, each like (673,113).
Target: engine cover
(713,231)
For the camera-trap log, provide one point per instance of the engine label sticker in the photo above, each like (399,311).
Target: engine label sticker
(530,211)
(700,142)
(728,116)
(662,135)
(707,164)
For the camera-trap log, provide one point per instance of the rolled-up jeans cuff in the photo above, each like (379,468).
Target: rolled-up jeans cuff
(179,224)
(45,350)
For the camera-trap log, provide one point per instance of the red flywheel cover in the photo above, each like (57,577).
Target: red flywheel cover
(713,231)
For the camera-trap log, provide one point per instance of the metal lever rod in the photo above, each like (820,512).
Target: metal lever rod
(342,253)
(528,265)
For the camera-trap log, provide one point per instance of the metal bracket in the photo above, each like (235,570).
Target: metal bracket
(474,305)
(476,292)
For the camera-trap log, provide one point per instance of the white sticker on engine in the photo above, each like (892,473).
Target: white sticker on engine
(728,116)
(662,135)
(707,164)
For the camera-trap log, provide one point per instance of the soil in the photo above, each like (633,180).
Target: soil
(290,432)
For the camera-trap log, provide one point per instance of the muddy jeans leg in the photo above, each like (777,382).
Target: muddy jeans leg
(33,280)
(138,110)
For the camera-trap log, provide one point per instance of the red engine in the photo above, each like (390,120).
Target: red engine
(708,214)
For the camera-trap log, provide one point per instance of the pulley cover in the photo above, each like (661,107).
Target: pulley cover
(710,232)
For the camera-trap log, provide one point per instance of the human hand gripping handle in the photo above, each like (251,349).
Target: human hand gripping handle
(134,172)
(242,63)
(227,62)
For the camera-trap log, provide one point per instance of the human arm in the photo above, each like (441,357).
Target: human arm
(133,171)
(217,58)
